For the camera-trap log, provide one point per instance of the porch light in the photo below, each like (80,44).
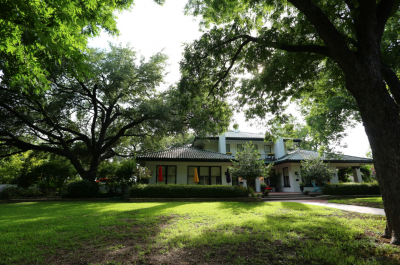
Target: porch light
(297,179)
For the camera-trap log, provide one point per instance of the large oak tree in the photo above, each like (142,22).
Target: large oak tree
(37,34)
(288,46)
(116,111)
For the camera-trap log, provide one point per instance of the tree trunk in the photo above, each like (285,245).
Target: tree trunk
(381,119)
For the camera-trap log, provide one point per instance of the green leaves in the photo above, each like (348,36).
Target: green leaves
(316,169)
(248,165)
(34,34)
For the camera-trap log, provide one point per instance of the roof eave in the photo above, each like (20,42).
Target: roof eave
(183,159)
(325,161)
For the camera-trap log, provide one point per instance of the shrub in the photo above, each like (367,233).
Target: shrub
(352,189)
(186,191)
(306,192)
(266,192)
(4,194)
(82,189)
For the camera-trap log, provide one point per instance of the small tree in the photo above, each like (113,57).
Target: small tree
(316,169)
(248,164)
(122,174)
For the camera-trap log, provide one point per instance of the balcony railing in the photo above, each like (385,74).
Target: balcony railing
(264,157)
(268,157)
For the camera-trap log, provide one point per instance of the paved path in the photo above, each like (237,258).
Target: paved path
(345,207)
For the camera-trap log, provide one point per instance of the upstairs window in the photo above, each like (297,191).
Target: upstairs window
(267,149)
(228,147)
(240,147)
(255,147)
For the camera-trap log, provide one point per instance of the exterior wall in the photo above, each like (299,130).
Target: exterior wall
(182,169)
(211,146)
(280,182)
(280,148)
(260,145)
(295,167)
(221,144)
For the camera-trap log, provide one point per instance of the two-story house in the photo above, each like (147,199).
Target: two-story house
(212,157)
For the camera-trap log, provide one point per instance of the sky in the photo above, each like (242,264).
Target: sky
(151,28)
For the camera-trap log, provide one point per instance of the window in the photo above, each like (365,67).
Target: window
(255,147)
(240,147)
(207,175)
(286,182)
(228,147)
(168,174)
(267,149)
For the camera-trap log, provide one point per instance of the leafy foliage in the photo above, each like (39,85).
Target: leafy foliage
(366,174)
(316,169)
(36,35)
(116,111)
(248,165)
(52,174)
(186,191)
(81,189)
(352,189)
(122,174)
(17,192)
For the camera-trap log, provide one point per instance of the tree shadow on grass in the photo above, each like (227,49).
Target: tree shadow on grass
(31,231)
(320,236)
(154,233)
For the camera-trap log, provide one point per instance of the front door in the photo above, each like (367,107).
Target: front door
(252,183)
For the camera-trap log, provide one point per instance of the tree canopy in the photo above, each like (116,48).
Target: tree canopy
(341,54)
(248,165)
(116,111)
(315,169)
(35,35)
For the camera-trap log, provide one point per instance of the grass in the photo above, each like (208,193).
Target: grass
(375,202)
(189,233)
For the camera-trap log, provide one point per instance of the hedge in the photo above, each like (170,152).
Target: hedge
(352,189)
(81,189)
(186,191)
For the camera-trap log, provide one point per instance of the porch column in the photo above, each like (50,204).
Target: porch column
(357,174)
(258,186)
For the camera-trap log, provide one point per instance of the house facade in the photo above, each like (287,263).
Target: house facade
(212,157)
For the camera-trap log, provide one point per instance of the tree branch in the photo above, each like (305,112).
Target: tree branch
(327,31)
(230,67)
(383,13)
(120,133)
(392,81)
(11,154)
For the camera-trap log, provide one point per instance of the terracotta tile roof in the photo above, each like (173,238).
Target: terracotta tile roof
(185,154)
(301,154)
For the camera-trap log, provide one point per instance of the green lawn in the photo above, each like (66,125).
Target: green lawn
(375,202)
(189,233)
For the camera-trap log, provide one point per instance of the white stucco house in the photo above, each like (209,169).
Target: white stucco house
(213,155)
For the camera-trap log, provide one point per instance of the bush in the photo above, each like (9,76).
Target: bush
(82,189)
(4,194)
(186,191)
(352,189)
(14,192)
(266,192)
